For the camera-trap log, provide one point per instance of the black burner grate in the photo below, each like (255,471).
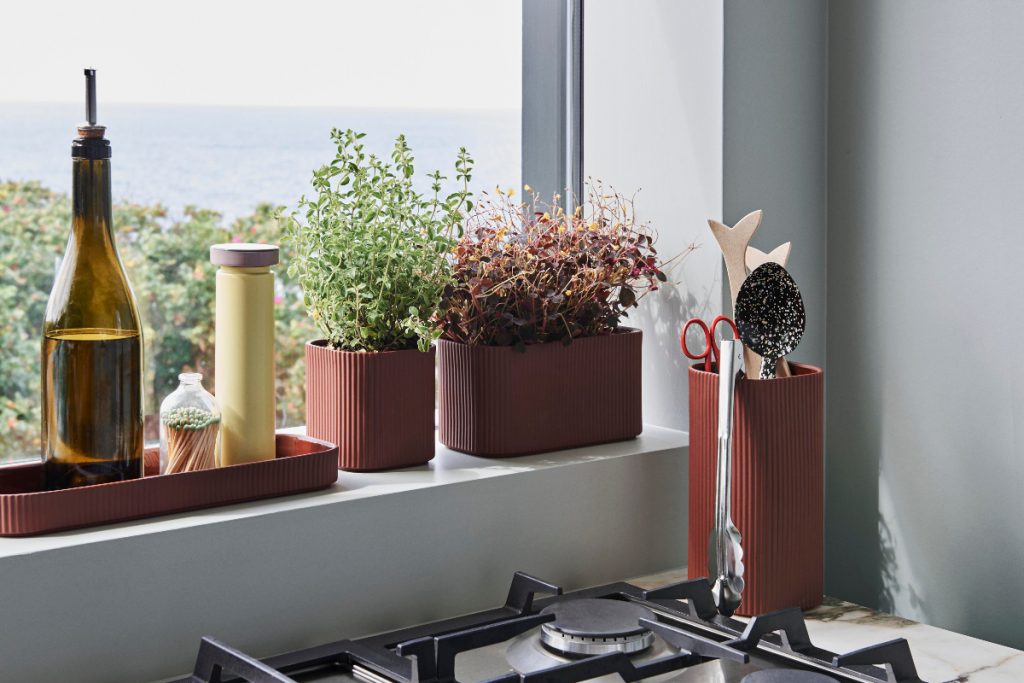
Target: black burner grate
(696,632)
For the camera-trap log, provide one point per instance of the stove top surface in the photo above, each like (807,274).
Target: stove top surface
(708,672)
(786,676)
(617,632)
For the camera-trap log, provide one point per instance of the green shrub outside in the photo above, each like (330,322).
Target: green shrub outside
(168,263)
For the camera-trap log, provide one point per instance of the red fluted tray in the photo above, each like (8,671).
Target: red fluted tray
(302,464)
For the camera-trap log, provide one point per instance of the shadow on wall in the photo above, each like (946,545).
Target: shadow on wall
(662,316)
(853,525)
(891,582)
(866,559)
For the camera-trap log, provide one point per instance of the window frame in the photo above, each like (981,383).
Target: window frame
(552,98)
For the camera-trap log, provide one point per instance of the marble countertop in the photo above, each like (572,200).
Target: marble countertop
(941,656)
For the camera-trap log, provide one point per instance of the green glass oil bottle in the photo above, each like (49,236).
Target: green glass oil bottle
(92,427)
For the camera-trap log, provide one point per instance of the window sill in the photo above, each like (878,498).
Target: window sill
(375,551)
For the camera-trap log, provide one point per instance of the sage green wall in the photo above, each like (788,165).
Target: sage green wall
(886,139)
(774,143)
(925,385)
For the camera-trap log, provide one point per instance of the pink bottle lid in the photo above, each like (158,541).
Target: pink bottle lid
(244,255)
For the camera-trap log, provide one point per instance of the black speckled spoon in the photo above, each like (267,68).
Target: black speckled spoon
(770,315)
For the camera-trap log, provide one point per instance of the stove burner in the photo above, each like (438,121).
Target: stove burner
(786,676)
(596,626)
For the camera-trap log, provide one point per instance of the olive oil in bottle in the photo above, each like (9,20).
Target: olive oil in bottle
(92,340)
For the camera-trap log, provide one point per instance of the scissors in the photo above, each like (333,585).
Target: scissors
(711,351)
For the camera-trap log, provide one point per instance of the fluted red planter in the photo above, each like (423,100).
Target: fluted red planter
(497,402)
(777,491)
(377,406)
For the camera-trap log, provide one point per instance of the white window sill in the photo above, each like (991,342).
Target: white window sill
(373,552)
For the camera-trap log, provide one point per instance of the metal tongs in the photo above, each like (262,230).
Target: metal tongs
(725,552)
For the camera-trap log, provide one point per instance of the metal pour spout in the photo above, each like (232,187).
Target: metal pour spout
(90,96)
(91,142)
(89,129)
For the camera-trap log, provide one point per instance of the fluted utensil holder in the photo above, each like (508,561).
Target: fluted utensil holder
(778,481)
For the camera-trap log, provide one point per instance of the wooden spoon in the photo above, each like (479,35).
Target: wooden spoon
(733,242)
(756,257)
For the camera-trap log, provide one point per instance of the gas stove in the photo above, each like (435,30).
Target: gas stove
(617,632)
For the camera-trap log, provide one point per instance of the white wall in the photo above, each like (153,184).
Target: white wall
(653,121)
(925,385)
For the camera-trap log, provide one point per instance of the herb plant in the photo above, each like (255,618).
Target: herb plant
(524,275)
(372,253)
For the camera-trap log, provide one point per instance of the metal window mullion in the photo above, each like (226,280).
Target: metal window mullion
(574,95)
(552,110)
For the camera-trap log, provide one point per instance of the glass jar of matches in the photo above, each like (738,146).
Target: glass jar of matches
(189,427)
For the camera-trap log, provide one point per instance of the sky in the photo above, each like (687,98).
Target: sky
(449,54)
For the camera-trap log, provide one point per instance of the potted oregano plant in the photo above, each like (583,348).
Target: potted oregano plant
(533,354)
(372,255)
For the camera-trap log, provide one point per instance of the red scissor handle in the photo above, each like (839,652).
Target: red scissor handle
(706,352)
(710,352)
(728,321)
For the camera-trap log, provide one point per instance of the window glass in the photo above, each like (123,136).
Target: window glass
(217,113)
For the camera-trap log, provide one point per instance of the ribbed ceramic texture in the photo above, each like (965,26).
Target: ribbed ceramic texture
(378,407)
(499,402)
(777,494)
(302,464)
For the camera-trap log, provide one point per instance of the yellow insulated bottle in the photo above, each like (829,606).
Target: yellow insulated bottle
(244,370)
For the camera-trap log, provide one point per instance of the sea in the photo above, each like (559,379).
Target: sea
(232,158)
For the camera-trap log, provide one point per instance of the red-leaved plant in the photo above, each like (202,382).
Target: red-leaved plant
(529,273)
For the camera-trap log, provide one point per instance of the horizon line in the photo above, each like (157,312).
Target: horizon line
(369,107)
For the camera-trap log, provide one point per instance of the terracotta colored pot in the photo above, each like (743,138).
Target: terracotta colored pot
(498,402)
(777,492)
(378,407)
